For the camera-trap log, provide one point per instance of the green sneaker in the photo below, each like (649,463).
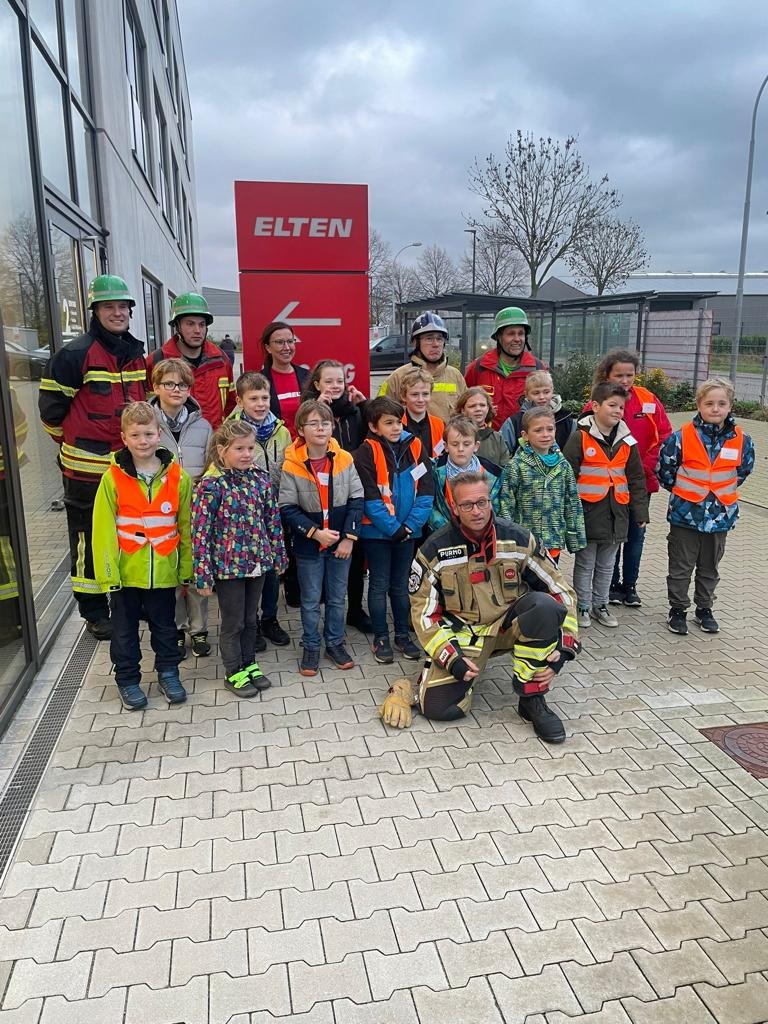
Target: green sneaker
(240,684)
(257,677)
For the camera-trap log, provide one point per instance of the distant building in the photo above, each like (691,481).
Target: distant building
(719,295)
(225,307)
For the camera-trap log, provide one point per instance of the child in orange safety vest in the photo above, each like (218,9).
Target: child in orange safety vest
(142,551)
(610,480)
(703,465)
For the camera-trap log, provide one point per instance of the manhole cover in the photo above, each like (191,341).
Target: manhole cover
(746,744)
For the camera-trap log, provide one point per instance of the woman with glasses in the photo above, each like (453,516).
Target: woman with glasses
(185,432)
(286,380)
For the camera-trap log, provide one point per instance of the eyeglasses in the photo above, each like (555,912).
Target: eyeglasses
(283,344)
(481,505)
(318,425)
(172,385)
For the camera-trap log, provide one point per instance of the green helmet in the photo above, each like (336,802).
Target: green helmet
(190,304)
(512,316)
(108,288)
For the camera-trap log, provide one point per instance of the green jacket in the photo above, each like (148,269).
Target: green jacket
(543,499)
(144,569)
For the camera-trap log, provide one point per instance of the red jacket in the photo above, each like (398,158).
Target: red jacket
(505,392)
(214,387)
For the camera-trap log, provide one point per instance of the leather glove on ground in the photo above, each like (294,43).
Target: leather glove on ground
(396,709)
(569,647)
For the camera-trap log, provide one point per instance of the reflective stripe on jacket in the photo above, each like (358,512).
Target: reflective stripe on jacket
(598,474)
(141,520)
(698,476)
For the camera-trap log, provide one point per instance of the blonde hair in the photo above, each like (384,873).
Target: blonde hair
(223,437)
(463,425)
(164,367)
(137,414)
(715,384)
(473,393)
(250,381)
(538,379)
(416,376)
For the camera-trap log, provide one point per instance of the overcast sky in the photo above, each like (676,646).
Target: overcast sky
(403,95)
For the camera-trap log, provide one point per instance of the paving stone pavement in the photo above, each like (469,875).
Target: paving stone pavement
(290,858)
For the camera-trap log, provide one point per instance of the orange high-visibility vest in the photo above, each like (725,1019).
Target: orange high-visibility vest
(141,521)
(698,476)
(436,431)
(382,473)
(598,473)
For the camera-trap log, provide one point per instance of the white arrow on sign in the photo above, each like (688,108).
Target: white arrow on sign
(298,321)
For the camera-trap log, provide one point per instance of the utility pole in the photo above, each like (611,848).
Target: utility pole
(473,232)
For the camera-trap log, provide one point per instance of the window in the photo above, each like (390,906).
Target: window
(135,61)
(74,39)
(152,313)
(184,240)
(177,228)
(43,14)
(82,138)
(190,243)
(183,126)
(161,145)
(50,124)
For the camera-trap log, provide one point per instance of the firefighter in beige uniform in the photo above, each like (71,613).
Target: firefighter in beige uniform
(481,586)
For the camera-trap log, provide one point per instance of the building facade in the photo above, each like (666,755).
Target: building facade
(97,175)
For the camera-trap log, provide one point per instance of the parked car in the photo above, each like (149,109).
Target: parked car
(388,352)
(23,364)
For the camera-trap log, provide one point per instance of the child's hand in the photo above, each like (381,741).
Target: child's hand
(641,526)
(326,538)
(344,550)
(324,396)
(204,591)
(355,395)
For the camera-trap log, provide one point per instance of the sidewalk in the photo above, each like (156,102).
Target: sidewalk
(290,857)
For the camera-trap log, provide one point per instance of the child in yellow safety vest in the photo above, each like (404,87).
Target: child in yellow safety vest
(142,551)
(703,465)
(611,482)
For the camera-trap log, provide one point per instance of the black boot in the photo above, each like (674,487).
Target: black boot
(545,722)
(101,629)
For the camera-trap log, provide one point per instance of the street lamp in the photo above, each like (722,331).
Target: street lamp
(411,245)
(744,233)
(473,232)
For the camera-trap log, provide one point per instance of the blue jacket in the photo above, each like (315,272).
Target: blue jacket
(410,482)
(710,515)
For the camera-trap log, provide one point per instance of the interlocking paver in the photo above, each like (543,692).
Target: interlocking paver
(415,927)
(474,1004)
(399,1008)
(30,980)
(343,937)
(517,998)
(599,983)
(112,970)
(169,1005)
(737,1004)
(110,1007)
(387,972)
(116,933)
(344,980)
(464,960)
(536,949)
(335,901)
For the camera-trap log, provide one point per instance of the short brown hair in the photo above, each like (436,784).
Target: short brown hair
(604,390)
(473,393)
(715,384)
(250,381)
(413,377)
(306,409)
(137,414)
(172,365)
(536,414)
(462,425)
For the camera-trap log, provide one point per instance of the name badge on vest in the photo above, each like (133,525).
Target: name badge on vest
(322,479)
(166,507)
(439,447)
(591,452)
(729,453)
(418,471)
(649,408)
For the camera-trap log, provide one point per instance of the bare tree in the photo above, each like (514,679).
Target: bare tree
(436,273)
(542,198)
(22,291)
(498,267)
(607,253)
(380,292)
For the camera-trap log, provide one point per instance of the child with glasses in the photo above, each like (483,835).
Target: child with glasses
(185,432)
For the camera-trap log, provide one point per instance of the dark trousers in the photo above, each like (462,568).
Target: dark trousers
(356,579)
(158,607)
(78,502)
(631,551)
(239,626)
(270,595)
(389,565)
(688,550)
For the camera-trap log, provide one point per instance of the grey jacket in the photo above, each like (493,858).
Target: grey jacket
(193,439)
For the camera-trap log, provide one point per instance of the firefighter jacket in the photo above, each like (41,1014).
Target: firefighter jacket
(269,452)
(506,392)
(84,389)
(213,388)
(144,567)
(311,501)
(449,385)
(460,592)
(192,443)
(710,514)
(441,510)
(397,486)
(607,520)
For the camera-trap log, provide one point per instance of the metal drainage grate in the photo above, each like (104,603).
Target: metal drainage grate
(25,780)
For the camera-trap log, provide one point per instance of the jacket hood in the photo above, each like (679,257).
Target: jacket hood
(123,459)
(556,404)
(209,350)
(296,452)
(122,346)
(527,455)
(712,430)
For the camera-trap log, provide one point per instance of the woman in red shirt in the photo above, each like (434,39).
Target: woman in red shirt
(286,381)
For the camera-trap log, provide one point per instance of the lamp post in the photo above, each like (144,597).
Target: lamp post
(473,232)
(744,233)
(410,245)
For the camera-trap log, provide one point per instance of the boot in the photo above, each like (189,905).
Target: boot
(545,722)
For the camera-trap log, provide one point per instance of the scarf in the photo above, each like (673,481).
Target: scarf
(176,423)
(265,428)
(473,466)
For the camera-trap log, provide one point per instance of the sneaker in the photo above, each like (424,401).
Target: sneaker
(360,620)
(170,686)
(585,619)
(632,598)
(132,697)
(181,643)
(676,621)
(240,684)
(382,651)
(200,646)
(616,595)
(272,630)
(545,722)
(604,616)
(101,629)
(407,648)
(310,661)
(705,620)
(340,656)
(257,677)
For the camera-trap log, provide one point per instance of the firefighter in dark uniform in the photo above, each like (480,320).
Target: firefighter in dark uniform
(85,387)
(481,586)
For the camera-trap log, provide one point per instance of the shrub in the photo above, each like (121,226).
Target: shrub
(658,382)
(573,382)
(573,407)
(682,396)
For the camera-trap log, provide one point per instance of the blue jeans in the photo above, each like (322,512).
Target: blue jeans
(270,595)
(389,565)
(630,552)
(159,608)
(323,573)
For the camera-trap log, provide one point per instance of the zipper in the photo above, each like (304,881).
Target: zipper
(151,550)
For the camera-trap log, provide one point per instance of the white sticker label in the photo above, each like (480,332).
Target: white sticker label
(649,407)
(166,507)
(591,451)
(629,440)
(439,448)
(418,471)
(322,479)
(729,453)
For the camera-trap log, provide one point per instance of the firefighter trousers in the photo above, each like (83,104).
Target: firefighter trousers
(79,497)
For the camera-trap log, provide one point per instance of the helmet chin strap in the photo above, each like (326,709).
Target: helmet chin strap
(432,362)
